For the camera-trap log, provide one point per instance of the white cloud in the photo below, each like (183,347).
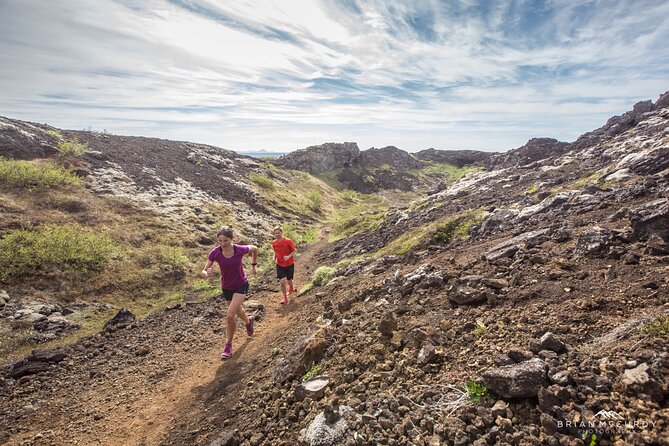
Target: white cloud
(263,73)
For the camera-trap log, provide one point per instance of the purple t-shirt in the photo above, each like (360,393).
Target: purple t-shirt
(232,273)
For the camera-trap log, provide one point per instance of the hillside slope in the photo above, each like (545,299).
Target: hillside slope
(523,304)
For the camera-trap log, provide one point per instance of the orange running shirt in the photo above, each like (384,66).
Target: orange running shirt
(283,248)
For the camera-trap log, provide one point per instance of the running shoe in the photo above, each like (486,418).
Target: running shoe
(284,300)
(227,351)
(249,326)
(291,290)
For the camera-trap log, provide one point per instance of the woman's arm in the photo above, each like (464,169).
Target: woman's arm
(253,252)
(207,269)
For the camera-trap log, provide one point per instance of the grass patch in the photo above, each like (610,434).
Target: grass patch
(456,227)
(34,174)
(55,133)
(262,181)
(322,276)
(359,213)
(173,258)
(659,327)
(453,173)
(441,231)
(69,149)
(300,234)
(202,285)
(66,248)
(314,200)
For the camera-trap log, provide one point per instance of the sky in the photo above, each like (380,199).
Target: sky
(282,75)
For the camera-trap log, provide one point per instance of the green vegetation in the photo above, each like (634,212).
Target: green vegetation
(55,133)
(479,330)
(262,181)
(67,248)
(363,213)
(173,258)
(532,190)
(202,285)
(315,200)
(300,234)
(659,327)
(71,148)
(33,174)
(589,439)
(275,351)
(443,231)
(312,371)
(475,391)
(322,276)
(456,227)
(454,173)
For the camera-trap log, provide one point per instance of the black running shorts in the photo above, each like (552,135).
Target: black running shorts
(244,289)
(285,271)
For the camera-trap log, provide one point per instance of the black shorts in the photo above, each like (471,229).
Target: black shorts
(285,271)
(244,289)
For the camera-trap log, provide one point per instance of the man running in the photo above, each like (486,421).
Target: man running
(284,256)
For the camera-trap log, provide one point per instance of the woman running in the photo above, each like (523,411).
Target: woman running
(234,283)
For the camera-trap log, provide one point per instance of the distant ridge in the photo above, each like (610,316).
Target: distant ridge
(263,154)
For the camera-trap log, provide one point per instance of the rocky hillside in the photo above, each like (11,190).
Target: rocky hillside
(366,171)
(526,303)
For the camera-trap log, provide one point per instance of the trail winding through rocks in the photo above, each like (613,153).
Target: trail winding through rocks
(111,391)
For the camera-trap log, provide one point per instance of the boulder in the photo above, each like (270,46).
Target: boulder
(511,246)
(550,342)
(306,350)
(388,324)
(651,218)
(122,319)
(595,242)
(314,388)
(320,432)
(518,380)
(37,361)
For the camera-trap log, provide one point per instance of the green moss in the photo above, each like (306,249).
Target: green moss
(67,248)
(35,175)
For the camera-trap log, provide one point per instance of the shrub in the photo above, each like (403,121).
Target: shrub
(31,174)
(262,181)
(25,252)
(72,148)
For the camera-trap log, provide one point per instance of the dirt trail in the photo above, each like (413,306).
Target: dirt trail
(170,399)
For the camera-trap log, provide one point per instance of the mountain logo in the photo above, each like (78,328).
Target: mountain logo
(609,415)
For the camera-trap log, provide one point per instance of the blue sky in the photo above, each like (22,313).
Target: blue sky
(283,75)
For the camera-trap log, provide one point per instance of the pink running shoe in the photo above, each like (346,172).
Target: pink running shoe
(284,300)
(249,326)
(227,351)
